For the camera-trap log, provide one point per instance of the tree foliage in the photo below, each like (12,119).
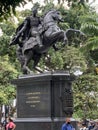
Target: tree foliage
(90,27)
(66,59)
(8,6)
(85,87)
(7,72)
(7,67)
(86,96)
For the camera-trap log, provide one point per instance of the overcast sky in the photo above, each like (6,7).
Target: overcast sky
(95,4)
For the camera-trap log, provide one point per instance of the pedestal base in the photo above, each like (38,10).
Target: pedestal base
(41,123)
(43,101)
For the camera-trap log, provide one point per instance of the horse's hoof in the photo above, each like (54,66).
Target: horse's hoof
(24,71)
(31,73)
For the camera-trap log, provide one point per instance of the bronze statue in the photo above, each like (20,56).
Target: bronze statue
(36,35)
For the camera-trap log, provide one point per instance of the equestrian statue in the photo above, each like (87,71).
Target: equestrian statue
(36,35)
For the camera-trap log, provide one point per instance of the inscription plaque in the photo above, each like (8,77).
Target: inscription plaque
(34,101)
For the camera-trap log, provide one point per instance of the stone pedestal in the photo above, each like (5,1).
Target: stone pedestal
(43,101)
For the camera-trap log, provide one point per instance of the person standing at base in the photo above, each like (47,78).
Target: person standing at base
(11,125)
(67,125)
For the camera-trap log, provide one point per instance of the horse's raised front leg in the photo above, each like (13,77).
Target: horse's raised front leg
(27,57)
(68,32)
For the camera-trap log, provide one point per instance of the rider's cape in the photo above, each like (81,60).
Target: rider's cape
(24,34)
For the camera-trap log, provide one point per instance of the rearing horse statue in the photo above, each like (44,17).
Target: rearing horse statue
(49,36)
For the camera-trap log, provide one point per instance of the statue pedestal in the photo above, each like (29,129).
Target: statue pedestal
(43,101)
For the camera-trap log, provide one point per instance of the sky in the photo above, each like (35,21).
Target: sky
(95,4)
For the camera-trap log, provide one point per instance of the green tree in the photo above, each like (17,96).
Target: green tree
(8,6)
(86,96)
(7,73)
(7,64)
(90,27)
(85,92)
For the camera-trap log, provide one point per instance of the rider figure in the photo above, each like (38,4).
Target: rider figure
(35,21)
(29,28)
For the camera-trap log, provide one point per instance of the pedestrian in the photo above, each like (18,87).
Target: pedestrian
(67,125)
(96,126)
(0,126)
(11,125)
(92,125)
(83,126)
(5,122)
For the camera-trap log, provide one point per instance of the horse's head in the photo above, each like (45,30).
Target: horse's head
(55,15)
